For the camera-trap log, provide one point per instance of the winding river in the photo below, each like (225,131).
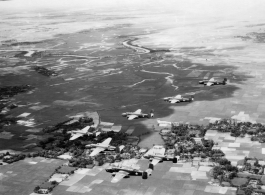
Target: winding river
(169,78)
(128,43)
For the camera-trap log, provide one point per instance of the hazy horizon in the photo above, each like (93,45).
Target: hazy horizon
(59,17)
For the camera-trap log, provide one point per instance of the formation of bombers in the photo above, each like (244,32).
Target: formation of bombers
(174,99)
(156,154)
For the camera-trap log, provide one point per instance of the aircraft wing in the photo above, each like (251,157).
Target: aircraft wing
(75,136)
(131,117)
(119,175)
(84,130)
(107,141)
(209,84)
(173,101)
(211,80)
(139,111)
(155,161)
(96,151)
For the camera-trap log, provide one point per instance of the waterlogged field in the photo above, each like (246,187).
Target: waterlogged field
(98,79)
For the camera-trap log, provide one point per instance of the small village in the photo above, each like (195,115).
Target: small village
(183,143)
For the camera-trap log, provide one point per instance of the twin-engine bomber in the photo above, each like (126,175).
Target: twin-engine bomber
(99,147)
(121,170)
(138,114)
(212,82)
(178,99)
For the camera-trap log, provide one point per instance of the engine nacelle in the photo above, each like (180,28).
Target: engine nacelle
(166,98)
(149,172)
(145,175)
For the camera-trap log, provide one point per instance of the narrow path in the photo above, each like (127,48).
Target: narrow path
(168,78)
(140,82)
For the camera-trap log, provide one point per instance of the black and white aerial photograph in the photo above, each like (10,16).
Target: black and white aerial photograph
(132,97)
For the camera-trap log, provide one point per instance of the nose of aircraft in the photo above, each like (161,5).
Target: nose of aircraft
(124,114)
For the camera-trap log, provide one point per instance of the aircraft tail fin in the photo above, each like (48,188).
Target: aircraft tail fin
(225,80)
(191,98)
(151,113)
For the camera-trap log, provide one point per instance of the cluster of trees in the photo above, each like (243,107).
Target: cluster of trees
(7,121)
(45,71)
(117,138)
(186,145)
(130,149)
(183,131)
(10,158)
(224,171)
(8,106)
(81,162)
(6,93)
(45,188)
(10,91)
(172,139)
(257,130)
(63,125)
(58,143)
(225,125)
(215,154)
(50,153)
(85,162)
(240,129)
(188,130)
